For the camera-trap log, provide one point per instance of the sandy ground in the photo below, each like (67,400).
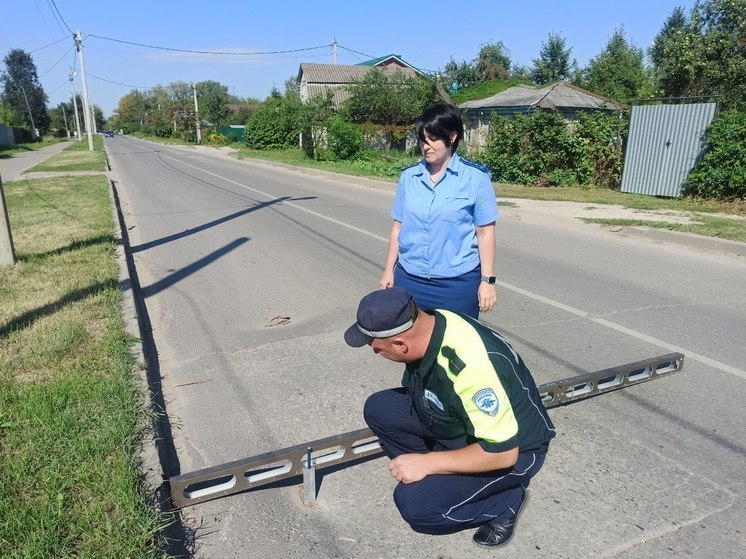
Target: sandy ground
(528,210)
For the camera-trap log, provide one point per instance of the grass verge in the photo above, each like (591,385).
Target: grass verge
(77,157)
(373,164)
(71,416)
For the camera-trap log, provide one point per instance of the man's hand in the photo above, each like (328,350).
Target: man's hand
(471,459)
(408,468)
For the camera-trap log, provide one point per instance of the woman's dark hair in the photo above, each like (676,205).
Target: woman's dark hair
(441,121)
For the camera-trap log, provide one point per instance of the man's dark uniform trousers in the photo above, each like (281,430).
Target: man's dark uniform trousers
(471,386)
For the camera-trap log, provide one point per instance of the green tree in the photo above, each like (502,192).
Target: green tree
(720,64)
(292,85)
(671,56)
(8,115)
(387,98)
(553,64)
(22,91)
(130,112)
(704,55)
(98,116)
(59,117)
(460,75)
(521,73)
(618,71)
(493,61)
(213,100)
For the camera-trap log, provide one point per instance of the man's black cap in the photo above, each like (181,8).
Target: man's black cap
(381,314)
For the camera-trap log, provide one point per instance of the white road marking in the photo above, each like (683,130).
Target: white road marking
(285,203)
(618,327)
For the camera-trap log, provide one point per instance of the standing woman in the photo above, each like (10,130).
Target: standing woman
(442,242)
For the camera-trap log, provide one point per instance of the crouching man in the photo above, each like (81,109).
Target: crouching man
(467,431)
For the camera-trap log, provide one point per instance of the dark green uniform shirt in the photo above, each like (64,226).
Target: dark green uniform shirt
(471,383)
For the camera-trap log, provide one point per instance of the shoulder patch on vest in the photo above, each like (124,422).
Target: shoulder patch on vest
(486,400)
(455,364)
(474,164)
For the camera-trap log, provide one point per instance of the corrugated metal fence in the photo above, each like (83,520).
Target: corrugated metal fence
(663,145)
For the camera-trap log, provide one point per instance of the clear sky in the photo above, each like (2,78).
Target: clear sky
(425,34)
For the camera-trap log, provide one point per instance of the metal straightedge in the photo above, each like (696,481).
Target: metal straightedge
(303,460)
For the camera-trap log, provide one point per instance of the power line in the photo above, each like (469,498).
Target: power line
(44,19)
(207,51)
(50,44)
(60,15)
(60,60)
(356,52)
(118,83)
(424,71)
(66,82)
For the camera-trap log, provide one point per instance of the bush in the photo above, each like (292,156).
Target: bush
(601,138)
(276,125)
(345,140)
(214,139)
(561,177)
(543,148)
(721,173)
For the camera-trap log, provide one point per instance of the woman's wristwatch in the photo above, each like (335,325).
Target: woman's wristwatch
(489,279)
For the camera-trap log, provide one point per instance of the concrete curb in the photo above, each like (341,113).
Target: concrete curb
(149,462)
(156,453)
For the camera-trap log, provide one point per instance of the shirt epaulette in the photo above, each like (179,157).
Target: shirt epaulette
(410,166)
(474,164)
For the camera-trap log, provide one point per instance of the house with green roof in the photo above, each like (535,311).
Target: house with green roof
(317,79)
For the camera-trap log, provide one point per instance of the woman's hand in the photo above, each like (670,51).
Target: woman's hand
(387,279)
(487,296)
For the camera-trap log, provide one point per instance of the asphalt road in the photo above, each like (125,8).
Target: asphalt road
(251,273)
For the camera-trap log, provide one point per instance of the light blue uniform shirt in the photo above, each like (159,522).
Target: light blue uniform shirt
(438,237)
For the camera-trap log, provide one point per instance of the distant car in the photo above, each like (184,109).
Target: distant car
(108,133)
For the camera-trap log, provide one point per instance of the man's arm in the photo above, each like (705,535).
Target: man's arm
(471,459)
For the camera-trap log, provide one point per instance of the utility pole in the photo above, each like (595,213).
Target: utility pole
(75,103)
(196,113)
(77,118)
(86,111)
(34,135)
(64,116)
(7,255)
(334,50)
(93,117)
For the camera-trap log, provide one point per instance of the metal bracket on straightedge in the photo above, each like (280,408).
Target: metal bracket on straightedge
(303,459)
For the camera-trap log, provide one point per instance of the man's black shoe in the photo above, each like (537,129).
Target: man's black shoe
(499,532)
